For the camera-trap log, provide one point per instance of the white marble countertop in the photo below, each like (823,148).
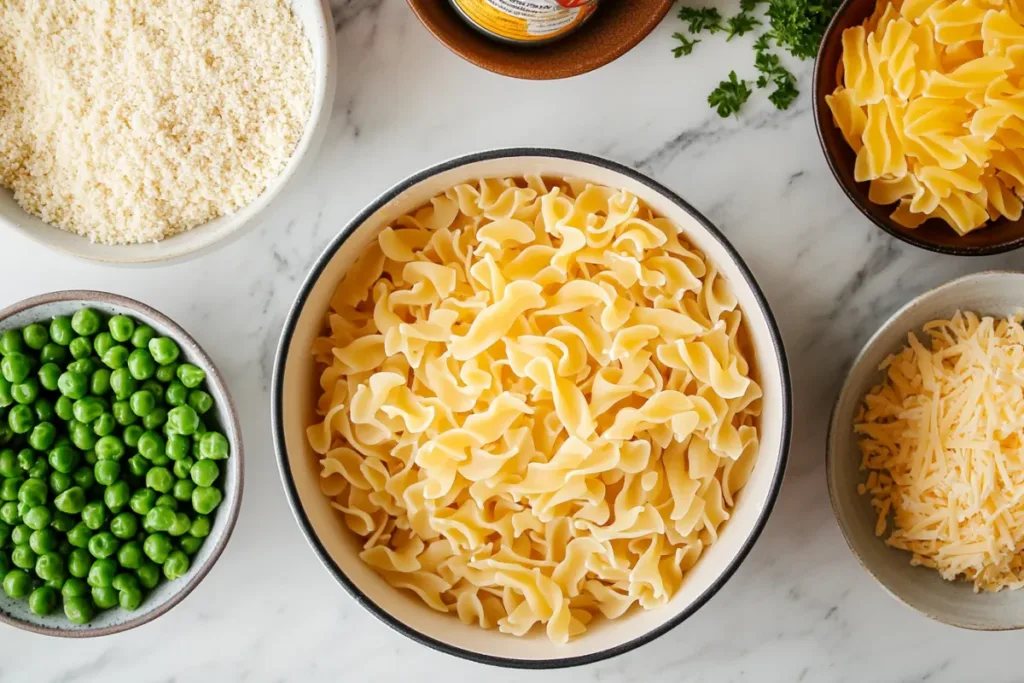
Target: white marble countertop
(799,609)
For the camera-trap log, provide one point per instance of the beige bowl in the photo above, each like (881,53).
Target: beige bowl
(315,17)
(994,292)
(295,391)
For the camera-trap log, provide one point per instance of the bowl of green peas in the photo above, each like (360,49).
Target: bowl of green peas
(120,464)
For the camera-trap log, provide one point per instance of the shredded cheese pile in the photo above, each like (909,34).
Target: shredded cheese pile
(942,445)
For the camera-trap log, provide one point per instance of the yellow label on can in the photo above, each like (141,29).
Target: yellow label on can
(526,20)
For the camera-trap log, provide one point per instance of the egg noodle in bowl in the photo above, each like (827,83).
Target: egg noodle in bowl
(537,404)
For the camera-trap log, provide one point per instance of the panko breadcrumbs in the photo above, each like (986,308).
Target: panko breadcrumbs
(129,121)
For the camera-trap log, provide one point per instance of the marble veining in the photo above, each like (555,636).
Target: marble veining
(799,609)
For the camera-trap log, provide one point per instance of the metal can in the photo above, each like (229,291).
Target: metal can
(525,22)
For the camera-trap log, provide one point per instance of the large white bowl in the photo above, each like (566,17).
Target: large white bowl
(993,293)
(315,16)
(295,392)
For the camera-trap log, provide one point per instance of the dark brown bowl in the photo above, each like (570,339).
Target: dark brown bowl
(935,235)
(616,27)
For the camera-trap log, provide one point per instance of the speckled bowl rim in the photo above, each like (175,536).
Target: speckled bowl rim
(830,455)
(822,118)
(291,492)
(237,454)
(512,70)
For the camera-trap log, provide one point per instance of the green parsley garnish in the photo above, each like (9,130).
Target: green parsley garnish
(701,19)
(773,73)
(798,25)
(685,46)
(729,96)
(740,24)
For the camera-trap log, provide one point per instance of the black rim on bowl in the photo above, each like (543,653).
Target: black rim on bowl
(277,416)
(997,237)
(214,376)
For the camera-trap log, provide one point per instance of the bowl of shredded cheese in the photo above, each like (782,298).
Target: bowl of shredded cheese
(925,456)
(146,132)
(530,408)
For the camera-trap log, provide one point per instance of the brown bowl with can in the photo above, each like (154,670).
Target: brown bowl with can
(579,36)
(995,237)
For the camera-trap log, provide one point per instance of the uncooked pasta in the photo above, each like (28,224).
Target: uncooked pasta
(537,407)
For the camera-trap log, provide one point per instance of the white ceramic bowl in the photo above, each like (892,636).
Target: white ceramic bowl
(315,16)
(168,593)
(295,393)
(956,603)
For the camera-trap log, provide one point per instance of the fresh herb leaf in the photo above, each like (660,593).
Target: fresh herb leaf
(740,24)
(729,96)
(701,19)
(773,73)
(749,5)
(798,25)
(769,66)
(785,92)
(685,46)
(761,44)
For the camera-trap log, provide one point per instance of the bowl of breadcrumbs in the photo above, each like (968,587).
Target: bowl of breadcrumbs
(137,131)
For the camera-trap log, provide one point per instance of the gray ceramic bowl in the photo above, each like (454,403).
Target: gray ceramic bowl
(168,593)
(994,292)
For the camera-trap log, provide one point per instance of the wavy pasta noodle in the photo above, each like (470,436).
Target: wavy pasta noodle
(537,405)
(930,97)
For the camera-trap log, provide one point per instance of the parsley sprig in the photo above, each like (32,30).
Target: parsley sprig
(797,26)
(729,96)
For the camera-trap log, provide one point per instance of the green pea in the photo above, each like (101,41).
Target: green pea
(140,364)
(9,463)
(142,336)
(80,348)
(126,581)
(166,500)
(104,425)
(53,353)
(5,535)
(50,567)
(6,398)
(21,419)
(104,597)
(103,545)
(86,322)
(121,327)
(90,458)
(123,384)
(9,488)
(89,408)
(164,350)
(200,401)
(94,515)
(142,501)
(205,500)
(26,392)
(154,387)
(17,584)
(124,526)
(130,555)
(71,501)
(23,557)
(40,470)
(35,336)
(15,367)
(205,473)
(61,331)
(130,600)
(183,467)
(83,366)
(138,466)
(64,407)
(191,375)
(149,575)
(213,446)
(20,534)
(109,448)
(176,394)
(107,472)
(49,376)
(79,535)
(102,572)
(155,419)
(9,513)
(151,445)
(190,544)
(78,610)
(116,357)
(44,409)
(99,384)
(117,494)
(38,517)
(80,561)
(74,588)
(62,522)
(102,343)
(176,566)
(83,477)
(33,492)
(23,508)
(165,374)
(26,459)
(42,436)
(43,601)
(73,385)
(142,403)
(132,434)
(123,413)
(182,420)
(182,523)
(64,459)
(157,547)
(159,479)
(177,447)
(183,489)
(11,342)
(160,519)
